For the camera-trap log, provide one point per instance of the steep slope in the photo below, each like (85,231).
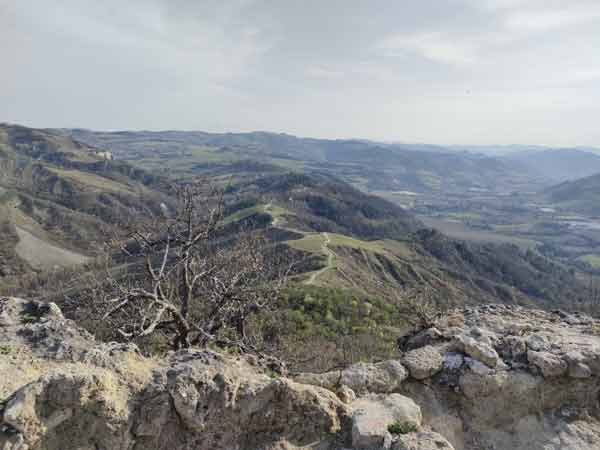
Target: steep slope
(58,197)
(370,245)
(582,196)
(559,164)
(365,164)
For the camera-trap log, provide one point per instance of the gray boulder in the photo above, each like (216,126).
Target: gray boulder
(549,364)
(578,367)
(425,440)
(478,350)
(382,377)
(372,415)
(423,362)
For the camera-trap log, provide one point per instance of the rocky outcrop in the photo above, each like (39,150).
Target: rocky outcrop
(492,377)
(373,416)
(504,378)
(423,362)
(386,376)
(422,441)
(63,390)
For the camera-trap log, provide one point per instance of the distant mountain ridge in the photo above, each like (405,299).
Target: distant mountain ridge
(560,164)
(63,193)
(371,166)
(582,195)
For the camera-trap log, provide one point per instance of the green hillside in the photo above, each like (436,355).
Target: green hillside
(59,197)
(366,244)
(367,165)
(358,255)
(581,196)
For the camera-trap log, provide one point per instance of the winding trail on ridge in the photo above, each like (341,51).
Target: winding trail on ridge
(330,259)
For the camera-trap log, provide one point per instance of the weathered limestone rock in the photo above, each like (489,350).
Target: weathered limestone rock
(372,415)
(537,343)
(224,403)
(82,400)
(480,351)
(60,389)
(423,362)
(106,396)
(345,394)
(478,367)
(425,440)
(577,365)
(385,376)
(549,364)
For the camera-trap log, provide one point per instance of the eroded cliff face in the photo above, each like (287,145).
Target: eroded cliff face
(492,377)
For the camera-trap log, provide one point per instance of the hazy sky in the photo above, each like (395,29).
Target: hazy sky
(437,71)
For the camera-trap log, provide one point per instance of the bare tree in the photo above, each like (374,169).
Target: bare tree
(419,307)
(193,282)
(592,301)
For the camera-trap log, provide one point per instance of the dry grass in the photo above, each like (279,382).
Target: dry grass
(41,254)
(91,180)
(313,243)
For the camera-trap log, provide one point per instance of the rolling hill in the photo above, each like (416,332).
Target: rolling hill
(366,244)
(559,164)
(58,197)
(368,165)
(581,196)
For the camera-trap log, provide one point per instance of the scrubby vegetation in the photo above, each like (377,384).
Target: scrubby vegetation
(318,328)
(402,428)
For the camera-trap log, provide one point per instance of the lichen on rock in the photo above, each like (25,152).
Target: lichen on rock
(491,377)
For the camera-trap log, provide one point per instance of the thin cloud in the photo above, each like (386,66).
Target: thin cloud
(436,47)
(550,19)
(422,71)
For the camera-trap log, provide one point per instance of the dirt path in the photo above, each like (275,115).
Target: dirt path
(330,260)
(43,255)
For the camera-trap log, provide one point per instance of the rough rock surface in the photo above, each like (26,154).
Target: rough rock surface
(422,441)
(506,378)
(74,393)
(481,351)
(550,365)
(492,377)
(373,414)
(386,376)
(423,362)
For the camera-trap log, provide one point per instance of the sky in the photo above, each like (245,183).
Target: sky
(434,71)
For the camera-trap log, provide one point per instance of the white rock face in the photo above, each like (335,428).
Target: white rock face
(386,376)
(491,377)
(372,415)
(422,441)
(345,394)
(578,365)
(480,351)
(423,362)
(550,365)
(88,395)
